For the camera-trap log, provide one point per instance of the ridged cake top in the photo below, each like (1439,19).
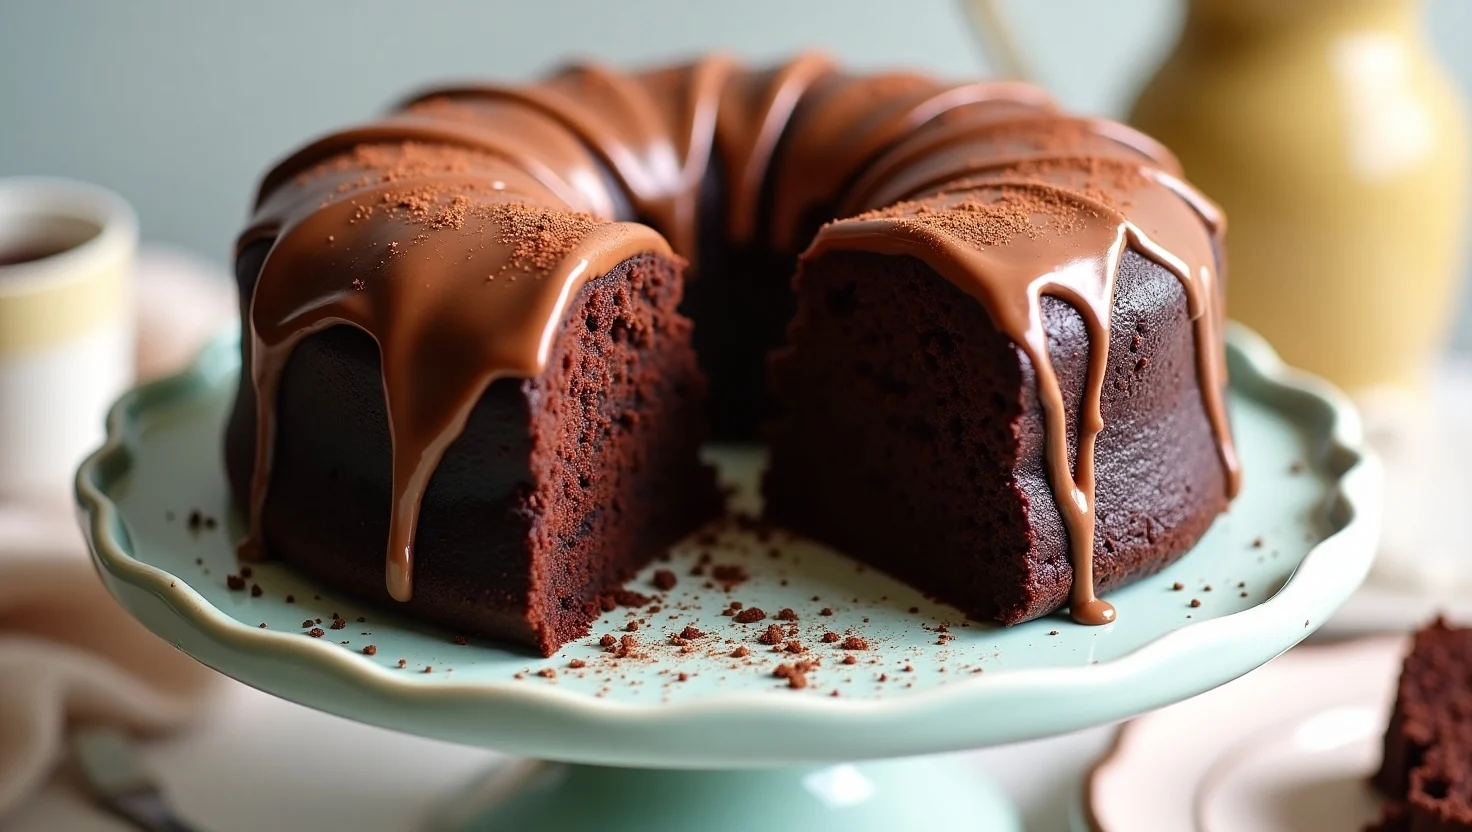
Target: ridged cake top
(456,231)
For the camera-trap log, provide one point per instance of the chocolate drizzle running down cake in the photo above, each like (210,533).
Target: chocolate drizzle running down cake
(1427,769)
(470,339)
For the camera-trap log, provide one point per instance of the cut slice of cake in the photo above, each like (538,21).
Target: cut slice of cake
(1427,769)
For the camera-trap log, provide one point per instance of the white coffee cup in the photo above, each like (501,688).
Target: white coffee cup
(66,326)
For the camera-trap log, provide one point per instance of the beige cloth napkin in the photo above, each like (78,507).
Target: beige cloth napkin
(68,652)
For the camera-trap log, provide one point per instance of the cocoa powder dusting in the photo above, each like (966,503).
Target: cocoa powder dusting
(990,216)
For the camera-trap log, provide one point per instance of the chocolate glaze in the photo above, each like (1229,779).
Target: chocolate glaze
(425,257)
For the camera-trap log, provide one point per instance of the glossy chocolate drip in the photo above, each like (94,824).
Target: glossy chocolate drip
(456,231)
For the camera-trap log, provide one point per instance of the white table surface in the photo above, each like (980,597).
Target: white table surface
(258,762)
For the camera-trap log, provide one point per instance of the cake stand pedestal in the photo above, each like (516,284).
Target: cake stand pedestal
(702,735)
(861,797)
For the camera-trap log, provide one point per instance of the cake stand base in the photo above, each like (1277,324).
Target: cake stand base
(918,793)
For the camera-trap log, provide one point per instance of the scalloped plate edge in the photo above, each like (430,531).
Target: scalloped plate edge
(1327,575)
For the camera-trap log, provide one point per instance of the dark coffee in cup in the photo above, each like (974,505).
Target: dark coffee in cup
(13,256)
(28,238)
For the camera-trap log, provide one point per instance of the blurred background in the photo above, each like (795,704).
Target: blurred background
(1326,127)
(180,105)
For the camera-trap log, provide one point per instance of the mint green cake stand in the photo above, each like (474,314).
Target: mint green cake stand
(691,738)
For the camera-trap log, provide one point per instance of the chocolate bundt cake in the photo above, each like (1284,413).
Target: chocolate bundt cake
(1427,769)
(473,342)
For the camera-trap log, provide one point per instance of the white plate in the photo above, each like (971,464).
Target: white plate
(1288,748)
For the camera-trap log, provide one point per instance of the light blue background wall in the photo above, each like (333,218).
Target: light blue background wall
(180,104)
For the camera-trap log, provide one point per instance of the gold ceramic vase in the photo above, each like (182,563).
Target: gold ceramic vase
(1338,148)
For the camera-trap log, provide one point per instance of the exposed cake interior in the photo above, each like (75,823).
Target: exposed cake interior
(910,435)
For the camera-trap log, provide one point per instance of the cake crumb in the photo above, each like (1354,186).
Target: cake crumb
(370,650)
(748,616)
(664,580)
(773,635)
(850,659)
(607,641)
(787,614)
(831,637)
(629,598)
(338,623)
(256,591)
(403,663)
(547,673)
(1195,602)
(577,664)
(234,582)
(826,611)
(690,633)
(855,643)
(1177,586)
(741,652)
(729,574)
(316,632)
